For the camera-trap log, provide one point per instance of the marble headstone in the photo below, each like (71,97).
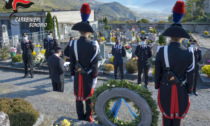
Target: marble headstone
(5,36)
(128,34)
(102,52)
(35,37)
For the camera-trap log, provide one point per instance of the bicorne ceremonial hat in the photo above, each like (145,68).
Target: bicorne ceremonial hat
(176,30)
(84,26)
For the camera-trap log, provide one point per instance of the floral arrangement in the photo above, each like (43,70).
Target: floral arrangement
(206,70)
(112,60)
(128,85)
(64,122)
(108,67)
(138,39)
(102,38)
(206,32)
(153,72)
(113,39)
(142,32)
(13,50)
(127,47)
(38,46)
(133,33)
(34,53)
(135,58)
(90,35)
(43,51)
(39,58)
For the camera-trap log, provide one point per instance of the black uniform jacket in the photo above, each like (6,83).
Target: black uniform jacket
(50,46)
(173,100)
(57,69)
(118,51)
(83,83)
(28,49)
(143,54)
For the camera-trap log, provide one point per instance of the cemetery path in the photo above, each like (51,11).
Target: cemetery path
(38,91)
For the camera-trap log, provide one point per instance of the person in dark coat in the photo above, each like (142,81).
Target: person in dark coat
(66,51)
(49,44)
(84,65)
(56,66)
(174,81)
(197,54)
(27,47)
(118,51)
(143,52)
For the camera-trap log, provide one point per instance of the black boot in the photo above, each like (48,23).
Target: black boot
(25,75)
(194,91)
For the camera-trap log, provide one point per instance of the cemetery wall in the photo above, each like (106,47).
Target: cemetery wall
(196,28)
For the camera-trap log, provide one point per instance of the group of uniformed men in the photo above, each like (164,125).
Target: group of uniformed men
(174,68)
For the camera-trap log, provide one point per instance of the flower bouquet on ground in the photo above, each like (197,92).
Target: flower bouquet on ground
(108,67)
(206,70)
(39,59)
(43,51)
(64,122)
(112,60)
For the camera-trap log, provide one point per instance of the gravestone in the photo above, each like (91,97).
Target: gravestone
(105,34)
(129,35)
(5,37)
(95,36)
(4,119)
(109,36)
(102,52)
(15,40)
(35,37)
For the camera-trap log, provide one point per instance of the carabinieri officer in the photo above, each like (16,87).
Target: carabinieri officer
(84,65)
(27,47)
(118,51)
(143,52)
(174,71)
(197,54)
(49,44)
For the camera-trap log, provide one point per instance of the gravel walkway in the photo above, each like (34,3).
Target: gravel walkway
(38,91)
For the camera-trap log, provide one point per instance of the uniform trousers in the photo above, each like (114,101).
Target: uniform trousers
(116,66)
(58,86)
(143,67)
(171,122)
(80,110)
(28,63)
(196,77)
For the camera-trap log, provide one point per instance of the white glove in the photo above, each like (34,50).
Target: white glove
(72,78)
(94,82)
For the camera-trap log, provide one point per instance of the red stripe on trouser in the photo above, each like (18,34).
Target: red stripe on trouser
(80,86)
(176,103)
(173,93)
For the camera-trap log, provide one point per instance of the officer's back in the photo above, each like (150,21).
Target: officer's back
(85,50)
(180,58)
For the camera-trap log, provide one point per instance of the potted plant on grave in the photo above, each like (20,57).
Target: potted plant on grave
(108,67)
(17,59)
(4,53)
(13,52)
(206,70)
(131,66)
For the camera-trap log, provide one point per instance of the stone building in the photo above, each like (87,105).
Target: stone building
(207,6)
(65,18)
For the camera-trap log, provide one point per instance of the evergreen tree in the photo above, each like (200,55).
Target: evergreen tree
(49,21)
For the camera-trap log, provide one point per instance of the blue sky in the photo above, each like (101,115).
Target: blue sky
(146,5)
